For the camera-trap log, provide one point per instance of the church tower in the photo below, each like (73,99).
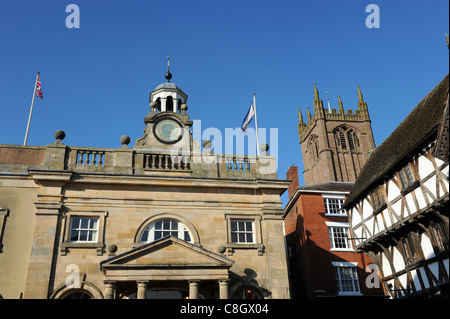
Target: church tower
(335,145)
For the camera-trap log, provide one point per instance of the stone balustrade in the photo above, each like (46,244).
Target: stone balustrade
(124,160)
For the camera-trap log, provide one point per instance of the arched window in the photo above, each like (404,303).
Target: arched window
(346,139)
(342,140)
(314,147)
(169,104)
(77,294)
(165,227)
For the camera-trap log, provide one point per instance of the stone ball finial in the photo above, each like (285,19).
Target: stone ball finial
(125,140)
(207,144)
(264,147)
(112,248)
(60,135)
(153,105)
(221,249)
(183,108)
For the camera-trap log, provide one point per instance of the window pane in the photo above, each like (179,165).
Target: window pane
(241,226)
(249,226)
(234,237)
(241,237)
(249,238)
(83,235)
(84,223)
(166,224)
(233,226)
(93,224)
(74,235)
(75,223)
(158,235)
(92,236)
(158,225)
(174,225)
(144,237)
(186,236)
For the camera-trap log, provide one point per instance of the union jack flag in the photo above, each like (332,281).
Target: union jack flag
(38,87)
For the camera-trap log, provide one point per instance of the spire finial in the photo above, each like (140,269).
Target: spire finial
(168,75)
(316,92)
(341,106)
(360,96)
(300,116)
(446,37)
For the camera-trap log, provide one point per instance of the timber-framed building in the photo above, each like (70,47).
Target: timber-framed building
(399,207)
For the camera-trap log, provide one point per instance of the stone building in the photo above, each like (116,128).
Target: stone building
(322,258)
(163,219)
(399,207)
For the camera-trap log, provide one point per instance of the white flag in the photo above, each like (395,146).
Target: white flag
(249,117)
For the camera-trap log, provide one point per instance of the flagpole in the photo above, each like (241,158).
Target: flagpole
(256,126)
(31,110)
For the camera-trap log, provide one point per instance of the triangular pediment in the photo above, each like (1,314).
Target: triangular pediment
(170,252)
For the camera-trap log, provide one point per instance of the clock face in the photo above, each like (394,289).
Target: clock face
(167,131)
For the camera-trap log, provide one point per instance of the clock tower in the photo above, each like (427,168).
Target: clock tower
(167,123)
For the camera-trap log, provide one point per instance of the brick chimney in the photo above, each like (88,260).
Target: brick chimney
(292,174)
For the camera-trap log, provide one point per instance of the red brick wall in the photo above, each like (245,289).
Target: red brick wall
(307,235)
(22,155)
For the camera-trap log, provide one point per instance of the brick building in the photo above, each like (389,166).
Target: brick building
(322,259)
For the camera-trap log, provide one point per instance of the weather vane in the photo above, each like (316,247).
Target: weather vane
(168,74)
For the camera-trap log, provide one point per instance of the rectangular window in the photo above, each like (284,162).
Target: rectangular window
(378,199)
(333,206)
(242,232)
(412,252)
(339,238)
(347,279)
(439,234)
(406,177)
(83,229)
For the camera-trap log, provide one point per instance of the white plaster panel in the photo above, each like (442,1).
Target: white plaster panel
(425,167)
(427,247)
(393,192)
(367,209)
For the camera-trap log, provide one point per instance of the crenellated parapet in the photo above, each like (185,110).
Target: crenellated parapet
(361,114)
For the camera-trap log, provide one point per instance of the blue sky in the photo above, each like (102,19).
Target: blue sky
(96,79)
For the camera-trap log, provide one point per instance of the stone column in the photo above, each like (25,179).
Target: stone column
(163,104)
(110,289)
(193,289)
(141,290)
(223,289)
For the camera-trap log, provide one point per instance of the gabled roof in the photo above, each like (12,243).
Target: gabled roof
(416,129)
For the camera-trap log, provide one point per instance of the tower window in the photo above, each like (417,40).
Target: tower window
(342,139)
(351,142)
